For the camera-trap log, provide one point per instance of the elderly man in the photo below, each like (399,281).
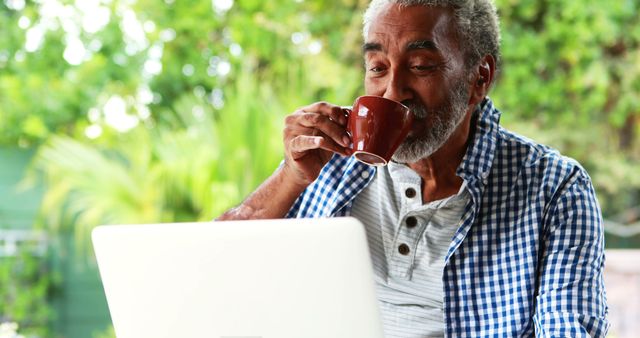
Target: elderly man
(474,231)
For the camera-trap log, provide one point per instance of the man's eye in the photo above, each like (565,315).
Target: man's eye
(376,69)
(423,68)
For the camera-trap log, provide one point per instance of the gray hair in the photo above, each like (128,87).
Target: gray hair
(477,24)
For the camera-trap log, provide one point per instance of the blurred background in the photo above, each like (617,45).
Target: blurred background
(133,111)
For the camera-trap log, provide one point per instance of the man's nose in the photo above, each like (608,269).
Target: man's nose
(397,88)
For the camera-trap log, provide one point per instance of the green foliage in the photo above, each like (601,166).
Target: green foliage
(202,89)
(570,78)
(211,135)
(25,283)
(108,333)
(41,93)
(194,170)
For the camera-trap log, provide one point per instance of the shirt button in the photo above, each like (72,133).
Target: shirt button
(404,249)
(411,193)
(411,222)
(365,174)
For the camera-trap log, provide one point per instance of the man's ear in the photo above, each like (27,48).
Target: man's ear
(484,76)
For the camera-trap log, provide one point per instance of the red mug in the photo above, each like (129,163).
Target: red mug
(377,127)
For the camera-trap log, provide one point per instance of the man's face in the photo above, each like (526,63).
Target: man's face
(412,55)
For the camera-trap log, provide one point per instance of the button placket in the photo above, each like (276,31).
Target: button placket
(402,260)
(404,249)
(411,222)
(410,192)
(406,245)
(410,203)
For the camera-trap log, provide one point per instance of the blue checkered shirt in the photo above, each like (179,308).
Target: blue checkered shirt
(528,255)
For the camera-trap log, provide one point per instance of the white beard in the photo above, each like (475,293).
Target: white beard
(445,120)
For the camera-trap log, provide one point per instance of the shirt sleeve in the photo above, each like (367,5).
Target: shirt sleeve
(571,299)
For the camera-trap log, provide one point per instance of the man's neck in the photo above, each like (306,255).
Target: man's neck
(438,171)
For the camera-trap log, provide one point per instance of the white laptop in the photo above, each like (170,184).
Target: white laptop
(298,278)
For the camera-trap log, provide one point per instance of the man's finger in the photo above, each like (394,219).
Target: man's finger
(301,144)
(326,126)
(334,112)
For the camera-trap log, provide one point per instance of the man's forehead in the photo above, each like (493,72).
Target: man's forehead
(409,27)
(405,16)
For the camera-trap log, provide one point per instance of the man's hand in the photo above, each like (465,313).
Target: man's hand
(311,135)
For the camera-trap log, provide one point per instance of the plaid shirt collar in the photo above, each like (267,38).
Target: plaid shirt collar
(477,161)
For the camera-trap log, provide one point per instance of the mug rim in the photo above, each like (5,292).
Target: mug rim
(384,98)
(358,152)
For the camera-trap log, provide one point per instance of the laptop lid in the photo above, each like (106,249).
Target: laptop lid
(239,279)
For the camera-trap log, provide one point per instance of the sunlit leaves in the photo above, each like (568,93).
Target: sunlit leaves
(570,67)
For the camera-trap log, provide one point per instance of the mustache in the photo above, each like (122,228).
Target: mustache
(418,109)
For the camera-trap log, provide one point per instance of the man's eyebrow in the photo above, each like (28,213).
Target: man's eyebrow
(371,47)
(422,44)
(414,45)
